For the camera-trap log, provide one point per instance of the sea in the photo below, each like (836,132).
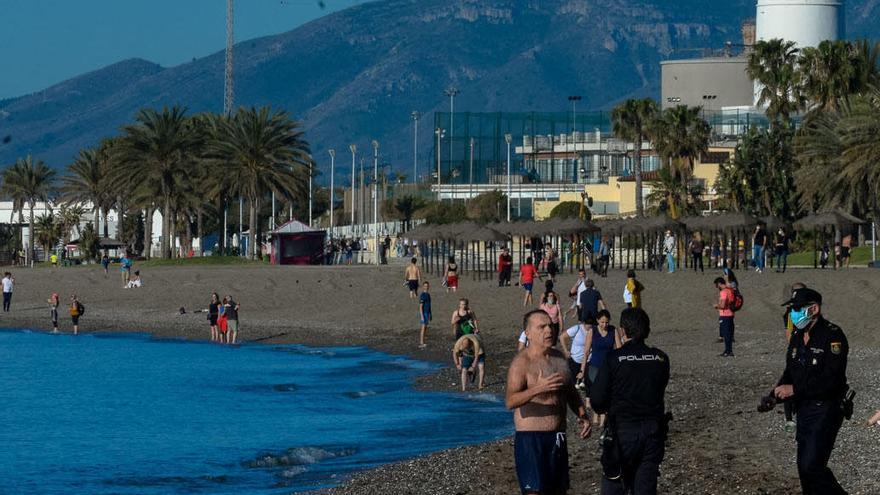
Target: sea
(132,414)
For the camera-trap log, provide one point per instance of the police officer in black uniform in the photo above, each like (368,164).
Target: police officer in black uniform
(815,380)
(630,389)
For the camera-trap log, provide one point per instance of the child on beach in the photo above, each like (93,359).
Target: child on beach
(527,273)
(54,300)
(221,321)
(424,313)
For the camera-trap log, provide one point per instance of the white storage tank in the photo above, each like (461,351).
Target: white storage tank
(806,22)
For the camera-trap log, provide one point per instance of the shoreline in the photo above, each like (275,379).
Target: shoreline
(717,440)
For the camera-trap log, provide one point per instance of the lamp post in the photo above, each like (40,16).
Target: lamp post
(508,139)
(471,172)
(415,116)
(440,133)
(451,92)
(332,170)
(353,148)
(310,193)
(574,99)
(376,196)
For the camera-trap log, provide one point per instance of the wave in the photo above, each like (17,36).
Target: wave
(297,456)
(490,398)
(268,387)
(360,394)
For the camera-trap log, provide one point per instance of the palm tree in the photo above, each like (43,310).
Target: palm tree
(406,207)
(88,181)
(48,231)
(682,136)
(258,150)
(157,151)
(826,73)
(27,182)
(773,65)
(632,121)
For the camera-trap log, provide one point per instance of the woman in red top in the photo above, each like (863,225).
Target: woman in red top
(527,274)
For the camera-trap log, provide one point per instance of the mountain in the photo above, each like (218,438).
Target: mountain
(357,74)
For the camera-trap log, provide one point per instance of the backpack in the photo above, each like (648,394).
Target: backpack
(80,308)
(737,300)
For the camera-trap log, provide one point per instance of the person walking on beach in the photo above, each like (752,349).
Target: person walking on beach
(590,303)
(759,244)
(469,357)
(413,276)
(540,389)
(669,249)
(464,320)
(788,406)
(451,275)
(8,285)
(76,311)
(125,268)
(527,274)
(696,248)
(573,340)
(54,301)
(725,307)
(550,262)
(782,248)
(630,389)
(213,314)
(424,313)
(232,308)
(550,305)
(575,292)
(105,264)
(815,379)
(604,256)
(222,327)
(632,291)
(505,267)
(599,339)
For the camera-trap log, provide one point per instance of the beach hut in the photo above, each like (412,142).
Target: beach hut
(295,243)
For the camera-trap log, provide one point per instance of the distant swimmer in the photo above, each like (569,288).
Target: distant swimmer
(412,276)
(469,357)
(540,388)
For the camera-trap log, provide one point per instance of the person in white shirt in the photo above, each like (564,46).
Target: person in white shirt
(8,282)
(669,250)
(578,288)
(573,341)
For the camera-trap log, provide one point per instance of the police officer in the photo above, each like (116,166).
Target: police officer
(815,379)
(630,388)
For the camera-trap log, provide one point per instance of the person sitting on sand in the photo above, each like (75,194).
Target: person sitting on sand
(875,419)
(412,277)
(539,390)
(469,356)
(135,281)
(464,320)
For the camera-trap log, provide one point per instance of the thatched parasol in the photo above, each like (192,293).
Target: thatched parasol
(731,221)
(566,226)
(835,218)
(610,227)
(772,222)
(481,234)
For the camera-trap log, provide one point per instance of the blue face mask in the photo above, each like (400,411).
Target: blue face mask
(800,317)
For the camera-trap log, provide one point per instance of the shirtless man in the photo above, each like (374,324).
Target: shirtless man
(539,389)
(413,276)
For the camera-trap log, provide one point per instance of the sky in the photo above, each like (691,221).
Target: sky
(43,42)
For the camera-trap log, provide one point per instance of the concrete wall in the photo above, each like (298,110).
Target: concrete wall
(686,82)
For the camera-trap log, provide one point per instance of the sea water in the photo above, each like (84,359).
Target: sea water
(122,414)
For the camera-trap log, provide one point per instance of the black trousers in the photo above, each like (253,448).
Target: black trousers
(504,276)
(817,426)
(697,261)
(642,446)
(7,298)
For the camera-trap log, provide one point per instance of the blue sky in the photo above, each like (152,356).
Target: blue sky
(43,42)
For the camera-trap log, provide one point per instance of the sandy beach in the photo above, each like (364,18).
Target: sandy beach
(718,443)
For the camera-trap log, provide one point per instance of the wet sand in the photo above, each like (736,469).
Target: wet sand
(718,442)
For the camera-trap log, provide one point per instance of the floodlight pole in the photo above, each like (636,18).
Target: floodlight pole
(415,116)
(332,170)
(353,148)
(508,139)
(376,196)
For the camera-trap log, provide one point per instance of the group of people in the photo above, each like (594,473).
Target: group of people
(341,251)
(764,247)
(76,308)
(223,319)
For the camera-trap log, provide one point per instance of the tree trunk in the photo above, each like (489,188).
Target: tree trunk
(637,171)
(148,232)
(200,230)
(97,220)
(252,221)
(31,252)
(166,228)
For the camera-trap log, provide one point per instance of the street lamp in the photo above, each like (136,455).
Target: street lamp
(311,165)
(440,134)
(332,170)
(415,117)
(574,99)
(353,148)
(471,173)
(508,139)
(451,92)
(376,196)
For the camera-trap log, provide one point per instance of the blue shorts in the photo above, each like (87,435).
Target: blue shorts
(413,285)
(425,318)
(467,361)
(541,461)
(527,287)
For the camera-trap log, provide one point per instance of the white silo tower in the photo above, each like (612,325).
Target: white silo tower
(806,22)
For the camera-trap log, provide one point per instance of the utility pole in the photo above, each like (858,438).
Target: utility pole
(332,169)
(228,95)
(415,117)
(451,92)
(508,139)
(440,133)
(471,173)
(311,165)
(376,196)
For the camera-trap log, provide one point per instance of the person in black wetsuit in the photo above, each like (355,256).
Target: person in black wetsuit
(630,389)
(815,379)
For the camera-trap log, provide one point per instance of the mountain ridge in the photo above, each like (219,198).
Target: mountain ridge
(356,74)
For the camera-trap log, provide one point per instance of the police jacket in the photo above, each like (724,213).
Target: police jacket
(631,383)
(817,370)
